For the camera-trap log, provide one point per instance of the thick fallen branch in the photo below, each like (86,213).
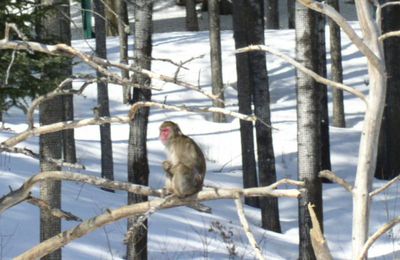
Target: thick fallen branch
(334,178)
(318,241)
(305,70)
(111,216)
(376,236)
(246,228)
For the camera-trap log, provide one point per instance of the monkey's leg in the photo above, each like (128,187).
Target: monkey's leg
(183,181)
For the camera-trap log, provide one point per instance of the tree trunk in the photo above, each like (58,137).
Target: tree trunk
(370,133)
(272,14)
(192,23)
(337,70)
(388,164)
(123,44)
(112,20)
(308,125)
(321,63)
(290,11)
(259,81)
(138,167)
(107,165)
(244,97)
(50,191)
(215,57)
(51,111)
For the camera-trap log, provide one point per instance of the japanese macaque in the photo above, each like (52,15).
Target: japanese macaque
(186,165)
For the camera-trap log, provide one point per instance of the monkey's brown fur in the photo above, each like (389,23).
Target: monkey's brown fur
(186,165)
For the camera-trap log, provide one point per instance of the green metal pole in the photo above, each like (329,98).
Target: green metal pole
(87,19)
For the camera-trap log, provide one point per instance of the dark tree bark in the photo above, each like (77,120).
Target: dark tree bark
(54,26)
(290,11)
(215,57)
(338,116)
(138,167)
(107,164)
(308,125)
(321,63)
(253,84)
(244,87)
(388,163)
(261,98)
(225,6)
(192,23)
(272,14)
(122,11)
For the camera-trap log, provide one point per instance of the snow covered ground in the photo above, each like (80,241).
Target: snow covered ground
(183,233)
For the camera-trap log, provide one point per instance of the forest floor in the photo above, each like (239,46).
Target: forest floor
(169,17)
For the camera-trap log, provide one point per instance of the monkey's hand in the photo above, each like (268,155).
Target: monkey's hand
(167,165)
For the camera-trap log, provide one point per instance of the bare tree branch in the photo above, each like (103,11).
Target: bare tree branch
(246,228)
(376,236)
(111,216)
(389,34)
(334,178)
(305,70)
(318,241)
(97,63)
(15,197)
(345,26)
(384,187)
(135,107)
(53,211)
(34,155)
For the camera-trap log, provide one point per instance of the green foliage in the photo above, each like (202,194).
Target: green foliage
(24,75)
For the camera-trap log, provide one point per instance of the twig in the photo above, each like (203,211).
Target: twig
(246,228)
(318,241)
(135,107)
(305,70)
(388,35)
(29,153)
(384,187)
(53,211)
(334,178)
(376,236)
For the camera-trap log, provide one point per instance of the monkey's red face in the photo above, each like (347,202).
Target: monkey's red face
(165,134)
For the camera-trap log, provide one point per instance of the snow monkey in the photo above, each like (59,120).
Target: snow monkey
(186,166)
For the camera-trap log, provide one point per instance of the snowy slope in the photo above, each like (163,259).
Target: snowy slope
(183,233)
